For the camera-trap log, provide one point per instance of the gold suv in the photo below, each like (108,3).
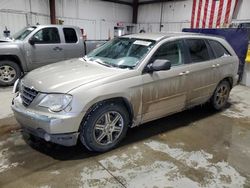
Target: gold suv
(126,82)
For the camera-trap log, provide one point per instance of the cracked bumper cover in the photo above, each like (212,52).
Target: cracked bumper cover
(59,129)
(67,139)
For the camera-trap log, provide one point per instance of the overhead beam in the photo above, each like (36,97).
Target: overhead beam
(135,11)
(155,1)
(119,2)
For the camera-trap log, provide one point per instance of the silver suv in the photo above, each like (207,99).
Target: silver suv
(124,83)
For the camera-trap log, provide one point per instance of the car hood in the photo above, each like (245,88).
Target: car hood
(6,40)
(64,76)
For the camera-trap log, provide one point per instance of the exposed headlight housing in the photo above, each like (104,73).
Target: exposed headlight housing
(56,102)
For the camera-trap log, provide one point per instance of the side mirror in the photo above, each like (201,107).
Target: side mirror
(159,65)
(32,41)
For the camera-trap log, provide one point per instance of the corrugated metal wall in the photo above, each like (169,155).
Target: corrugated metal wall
(177,15)
(96,17)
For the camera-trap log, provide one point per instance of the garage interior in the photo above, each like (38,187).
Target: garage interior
(198,147)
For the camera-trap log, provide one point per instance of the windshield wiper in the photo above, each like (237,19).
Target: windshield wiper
(125,66)
(103,63)
(109,64)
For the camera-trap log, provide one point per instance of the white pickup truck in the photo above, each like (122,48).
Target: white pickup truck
(39,45)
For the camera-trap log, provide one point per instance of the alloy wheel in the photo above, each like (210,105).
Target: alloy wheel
(108,128)
(221,95)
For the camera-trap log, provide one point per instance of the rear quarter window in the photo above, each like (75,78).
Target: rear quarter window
(218,49)
(70,35)
(198,50)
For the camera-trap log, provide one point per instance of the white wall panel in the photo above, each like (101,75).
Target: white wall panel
(175,16)
(181,11)
(149,13)
(96,17)
(40,6)
(244,13)
(13,21)
(22,5)
(39,19)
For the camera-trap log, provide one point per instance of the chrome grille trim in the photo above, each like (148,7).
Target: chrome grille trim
(27,95)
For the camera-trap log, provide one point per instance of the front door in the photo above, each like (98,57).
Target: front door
(165,92)
(47,48)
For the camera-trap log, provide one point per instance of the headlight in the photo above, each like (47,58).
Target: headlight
(56,102)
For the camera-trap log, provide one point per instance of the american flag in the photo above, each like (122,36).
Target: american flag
(212,13)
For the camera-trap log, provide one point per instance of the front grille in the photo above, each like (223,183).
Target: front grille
(27,95)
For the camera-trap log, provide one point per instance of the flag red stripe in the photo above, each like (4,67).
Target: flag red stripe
(229,3)
(198,14)
(205,14)
(193,14)
(212,14)
(219,13)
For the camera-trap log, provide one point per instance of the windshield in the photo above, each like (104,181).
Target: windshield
(121,52)
(21,35)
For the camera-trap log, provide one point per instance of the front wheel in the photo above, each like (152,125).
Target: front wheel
(221,95)
(105,126)
(9,72)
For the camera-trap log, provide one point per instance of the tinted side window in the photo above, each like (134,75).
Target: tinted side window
(47,35)
(70,35)
(198,50)
(218,49)
(171,51)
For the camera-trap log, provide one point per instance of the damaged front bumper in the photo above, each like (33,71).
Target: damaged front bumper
(67,139)
(56,128)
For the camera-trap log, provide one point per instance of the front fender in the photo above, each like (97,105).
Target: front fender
(13,50)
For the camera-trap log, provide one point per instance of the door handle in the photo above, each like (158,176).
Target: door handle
(215,65)
(57,49)
(184,73)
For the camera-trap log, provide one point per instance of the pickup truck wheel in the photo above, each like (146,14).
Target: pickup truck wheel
(105,126)
(9,72)
(221,95)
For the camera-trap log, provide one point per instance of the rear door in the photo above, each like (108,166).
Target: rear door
(222,59)
(203,74)
(73,43)
(47,48)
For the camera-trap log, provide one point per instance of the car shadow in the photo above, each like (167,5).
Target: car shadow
(136,134)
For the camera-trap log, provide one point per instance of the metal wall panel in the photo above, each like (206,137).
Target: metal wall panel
(96,17)
(40,19)
(13,21)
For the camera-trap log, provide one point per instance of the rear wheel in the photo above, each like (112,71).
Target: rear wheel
(104,127)
(9,72)
(221,95)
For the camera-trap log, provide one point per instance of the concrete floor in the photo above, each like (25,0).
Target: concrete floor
(194,148)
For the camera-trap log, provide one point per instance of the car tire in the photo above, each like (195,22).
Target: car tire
(105,126)
(9,72)
(221,95)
